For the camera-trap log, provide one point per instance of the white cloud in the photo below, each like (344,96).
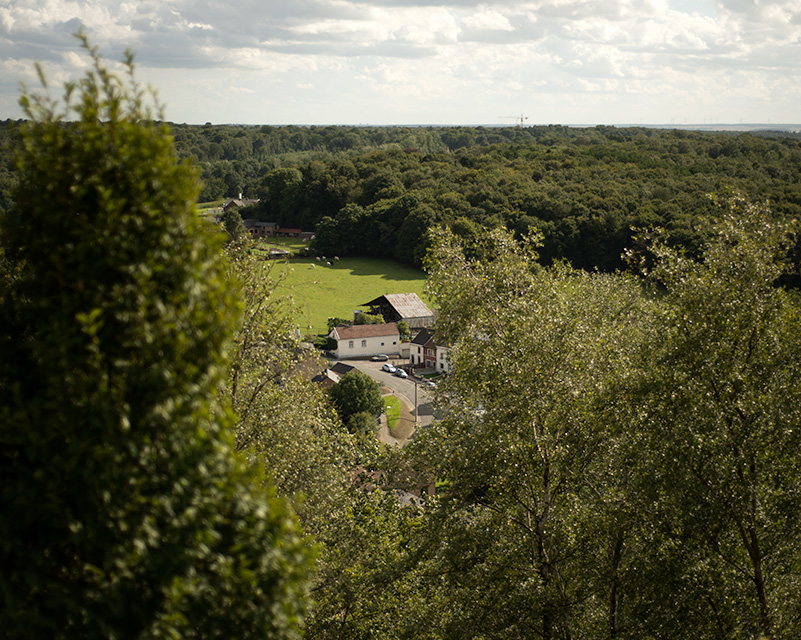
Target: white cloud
(461,59)
(488,21)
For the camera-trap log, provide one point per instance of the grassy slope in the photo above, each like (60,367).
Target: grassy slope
(339,289)
(392,408)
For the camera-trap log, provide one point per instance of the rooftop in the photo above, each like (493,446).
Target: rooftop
(346,332)
(408,305)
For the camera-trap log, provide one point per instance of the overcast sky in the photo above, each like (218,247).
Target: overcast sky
(428,62)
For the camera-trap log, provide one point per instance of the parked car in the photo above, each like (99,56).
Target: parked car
(401,373)
(431,384)
(381,357)
(389,368)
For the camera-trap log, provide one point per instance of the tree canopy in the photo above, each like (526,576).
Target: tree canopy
(125,511)
(583,188)
(357,392)
(615,460)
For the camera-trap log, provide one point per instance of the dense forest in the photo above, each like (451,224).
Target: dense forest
(377,191)
(616,453)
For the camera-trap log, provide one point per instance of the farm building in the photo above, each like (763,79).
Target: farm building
(238,203)
(258,229)
(394,307)
(365,340)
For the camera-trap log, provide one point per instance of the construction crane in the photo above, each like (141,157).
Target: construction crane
(519,120)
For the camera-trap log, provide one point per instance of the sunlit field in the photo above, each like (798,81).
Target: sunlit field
(319,290)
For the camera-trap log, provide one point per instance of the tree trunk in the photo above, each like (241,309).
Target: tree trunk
(614,598)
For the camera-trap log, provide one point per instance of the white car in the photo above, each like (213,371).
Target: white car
(401,373)
(388,368)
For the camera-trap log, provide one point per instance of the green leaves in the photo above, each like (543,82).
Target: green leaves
(524,442)
(616,458)
(721,402)
(356,392)
(125,511)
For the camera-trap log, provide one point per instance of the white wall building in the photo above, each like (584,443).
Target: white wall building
(365,340)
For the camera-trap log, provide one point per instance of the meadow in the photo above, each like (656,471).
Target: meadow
(319,291)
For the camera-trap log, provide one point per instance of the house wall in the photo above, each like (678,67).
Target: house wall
(421,322)
(430,358)
(368,346)
(443,363)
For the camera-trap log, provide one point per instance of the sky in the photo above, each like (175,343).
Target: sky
(424,62)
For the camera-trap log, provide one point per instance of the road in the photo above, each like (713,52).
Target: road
(404,387)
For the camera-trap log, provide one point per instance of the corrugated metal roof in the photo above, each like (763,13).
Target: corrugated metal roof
(408,305)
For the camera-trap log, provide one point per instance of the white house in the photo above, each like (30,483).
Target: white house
(366,340)
(426,351)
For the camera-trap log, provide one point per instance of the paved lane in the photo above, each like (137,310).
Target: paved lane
(399,386)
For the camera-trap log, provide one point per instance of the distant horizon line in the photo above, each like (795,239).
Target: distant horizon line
(740,126)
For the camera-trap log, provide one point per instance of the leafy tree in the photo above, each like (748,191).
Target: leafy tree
(284,423)
(368,318)
(279,193)
(404,330)
(357,392)
(125,512)
(233,225)
(362,422)
(721,410)
(335,321)
(525,528)
(368,590)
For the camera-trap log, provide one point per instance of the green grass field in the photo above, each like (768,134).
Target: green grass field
(392,408)
(291,244)
(321,291)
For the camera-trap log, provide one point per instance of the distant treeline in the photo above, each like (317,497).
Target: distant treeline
(376,191)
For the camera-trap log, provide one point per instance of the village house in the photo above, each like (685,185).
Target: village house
(238,203)
(286,232)
(394,307)
(331,375)
(427,352)
(365,340)
(259,229)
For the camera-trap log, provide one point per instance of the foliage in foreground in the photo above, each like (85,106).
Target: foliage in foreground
(125,511)
(615,463)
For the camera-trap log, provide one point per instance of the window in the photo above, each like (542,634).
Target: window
(350,344)
(364,343)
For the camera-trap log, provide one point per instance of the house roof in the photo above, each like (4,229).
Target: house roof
(345,332)
(240,202)
(325,379)
(252,222)
(426,337)
(423,337)
(340,368)
(309,364)
(408,305)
